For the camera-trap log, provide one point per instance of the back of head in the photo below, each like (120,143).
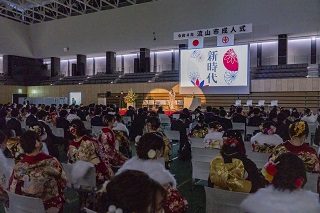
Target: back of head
(239,110)
(290,172)
(28,141)
(63,113)
(209,108)
(33,110)
(42,114)
(272,115)
(215,125)
(132,191)
(107,119)
(233,143)
(281,117)
(299,129)
(154,122)
(268,128)
(182,116)
(256,111)
(97,111)
(222,113)
(14,113)
(79,126)
(147,143)
(38,128)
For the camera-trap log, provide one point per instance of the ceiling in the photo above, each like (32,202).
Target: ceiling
(37,11)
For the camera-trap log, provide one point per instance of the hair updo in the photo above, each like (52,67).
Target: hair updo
(28,141)
(132,191)
(299,129)
(289,168)
(149,141)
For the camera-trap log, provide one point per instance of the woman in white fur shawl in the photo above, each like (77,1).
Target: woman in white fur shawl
(287,175)
(149,151)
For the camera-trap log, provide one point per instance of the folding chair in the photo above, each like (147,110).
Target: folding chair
(59,132)
(127,120)
(89,210)
(312,131)
(260,159)
(96,130)
(175,116)
(197,142)
(312,182)
(250,130)
(165,121)
(200,172)
(87,124)
(238,103)
(203,154)
(260,103)
(219,200)
(24,204)
(173,136)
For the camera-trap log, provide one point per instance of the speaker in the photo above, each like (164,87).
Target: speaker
(108,94)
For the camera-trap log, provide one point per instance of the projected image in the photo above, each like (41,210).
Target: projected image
(75,98)
(220,66)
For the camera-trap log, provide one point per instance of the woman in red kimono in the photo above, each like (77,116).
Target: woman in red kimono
(87,149)
(298,132)
(38,174)
(108,141)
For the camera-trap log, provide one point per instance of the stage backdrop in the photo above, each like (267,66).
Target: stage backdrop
(216,70)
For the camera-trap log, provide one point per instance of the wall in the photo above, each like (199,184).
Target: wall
(14,38)
(129,28)
(1,64)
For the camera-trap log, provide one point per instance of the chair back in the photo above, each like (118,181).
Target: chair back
(59,132)
(127,120)
(239,126)
(96,130)
(203,154)
(274,103)
(251,129)
(175,116)
(312,182)
(238,103)
(87,124)
(312,131)
(24,204)
(249,103)
(89,210)
(200,170)
(219,200)
(172,135)
(197,142)
(261,103)
(259,158)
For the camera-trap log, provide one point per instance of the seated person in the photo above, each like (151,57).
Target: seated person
(84,148)
(14,123)
(282,127)
(131,191)
(298,132)
(200,129)
(238,117)
(285,194)
(232,170)
(265,140)
(150,148)
(97,119)
(214,137)
(38,174)
(107,138)
(225,122)
(256,119)
(308,117)
(5,169)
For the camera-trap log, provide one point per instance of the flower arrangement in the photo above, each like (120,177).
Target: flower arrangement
(130,97)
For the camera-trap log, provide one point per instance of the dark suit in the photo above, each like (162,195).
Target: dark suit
(15,125)
(96,121)
(255,121)
(225,123)
(178,125)
(238,118)
(31,119)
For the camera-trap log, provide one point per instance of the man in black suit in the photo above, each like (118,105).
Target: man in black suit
(238,117)
(97,119)
(179,125)
(32,117)
(62,122)
(256,120)
(14,123)
(225,122)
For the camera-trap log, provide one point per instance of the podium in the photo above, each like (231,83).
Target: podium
(191,103)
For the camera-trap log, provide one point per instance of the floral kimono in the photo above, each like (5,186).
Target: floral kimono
(304,151)
(108,142)
(88,149)
(40,176)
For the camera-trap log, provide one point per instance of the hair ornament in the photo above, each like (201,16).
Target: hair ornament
(233,142)
(137,138)
(267,131)
(269,171)
(35,129)
(298,183)
(299,127)
(152,154)
(218,128)
(114,209)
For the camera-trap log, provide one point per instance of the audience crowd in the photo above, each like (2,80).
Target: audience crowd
(31,155)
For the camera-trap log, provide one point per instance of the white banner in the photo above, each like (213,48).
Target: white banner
(218,66)
(210,32)
(225,40)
